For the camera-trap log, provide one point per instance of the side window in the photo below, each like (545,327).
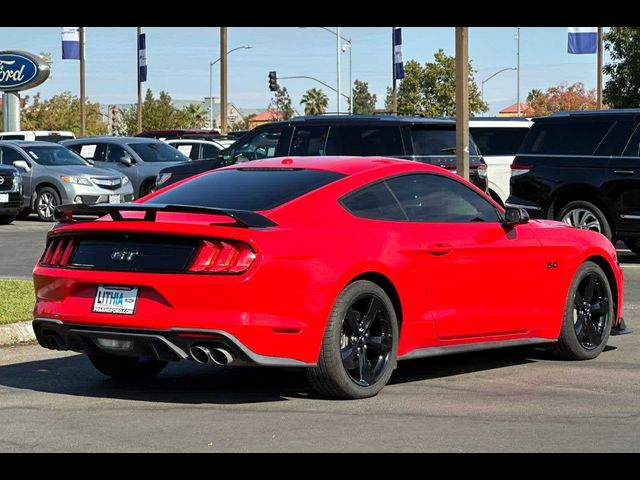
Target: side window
(88,151)
(191,150)
(209,151)
(365,140)
(262,145)
(435,198)
(616,140)
(632,148)
(9,155)
(566,137)
(114,153)
(12,137)
(309,141)
(375,201)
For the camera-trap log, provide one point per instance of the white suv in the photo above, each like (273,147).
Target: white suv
(38,135)
(498,140)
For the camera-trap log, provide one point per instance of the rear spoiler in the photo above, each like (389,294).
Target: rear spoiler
(244,218)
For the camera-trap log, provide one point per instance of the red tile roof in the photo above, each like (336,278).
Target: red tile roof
(514,108)
(267,116)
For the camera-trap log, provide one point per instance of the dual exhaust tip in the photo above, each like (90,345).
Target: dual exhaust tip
(215,355)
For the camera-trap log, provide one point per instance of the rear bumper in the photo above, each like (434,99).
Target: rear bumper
(165,345)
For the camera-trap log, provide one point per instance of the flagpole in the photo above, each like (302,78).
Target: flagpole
(139,108)
(599,104)
(223,80)
(82,92)
(394,99)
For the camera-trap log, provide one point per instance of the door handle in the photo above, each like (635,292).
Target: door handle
(439,248)
(624,172)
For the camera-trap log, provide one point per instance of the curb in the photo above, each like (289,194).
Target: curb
(21,332)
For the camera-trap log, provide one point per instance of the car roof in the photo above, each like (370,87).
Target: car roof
(110,139)
(30,143)
(500,122)
(38,132)
(192,140)
(348,119)
(590,114)
(341,164)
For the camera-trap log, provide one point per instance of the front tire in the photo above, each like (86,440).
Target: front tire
(126,367)
(585,216)
(46,202)
(360,344)
(588,315)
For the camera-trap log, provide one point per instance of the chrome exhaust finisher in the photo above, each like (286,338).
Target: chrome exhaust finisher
(200,354)
(220,356)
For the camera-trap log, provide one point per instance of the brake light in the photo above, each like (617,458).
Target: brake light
(519,169)
(223,256)
(58,252)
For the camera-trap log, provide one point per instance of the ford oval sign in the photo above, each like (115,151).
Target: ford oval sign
(21,70)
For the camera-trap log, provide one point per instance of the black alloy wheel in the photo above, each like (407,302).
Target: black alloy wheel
(360,344)
(366,340)
(588,315)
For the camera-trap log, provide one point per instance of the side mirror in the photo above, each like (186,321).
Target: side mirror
(126,160)
(22,165)
(225,156)
(515,216)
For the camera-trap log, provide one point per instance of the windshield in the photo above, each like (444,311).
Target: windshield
(54,156)
(158,152)
(247,188)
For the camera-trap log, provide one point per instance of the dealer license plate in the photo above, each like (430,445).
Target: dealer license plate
(4,198)
(114,198)
(115,299)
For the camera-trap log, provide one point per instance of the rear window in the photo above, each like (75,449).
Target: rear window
(567,137)
(498,141)
(436,141)
(247,188)
(53,138)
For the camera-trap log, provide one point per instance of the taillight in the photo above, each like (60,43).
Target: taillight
(223,256)
(519,169)
(58,252)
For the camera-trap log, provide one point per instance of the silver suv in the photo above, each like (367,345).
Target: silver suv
(53,175)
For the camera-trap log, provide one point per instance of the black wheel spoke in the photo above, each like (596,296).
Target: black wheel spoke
(590,288)
(351,319)
(362,365)
(594,338)
(372,312)
(380,344)
(366,372)
(578,301)
(348,354)
(579,327)
(601,306)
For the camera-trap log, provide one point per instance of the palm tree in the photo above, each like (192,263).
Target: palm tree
(315,101)
(197,115)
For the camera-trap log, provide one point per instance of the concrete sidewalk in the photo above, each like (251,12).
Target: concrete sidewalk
(21,332)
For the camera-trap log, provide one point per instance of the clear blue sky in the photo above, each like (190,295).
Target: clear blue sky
(178,60)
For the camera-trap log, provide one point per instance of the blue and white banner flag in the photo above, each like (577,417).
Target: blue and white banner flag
(398,67)
(71,43)
(583,39)
(142,57)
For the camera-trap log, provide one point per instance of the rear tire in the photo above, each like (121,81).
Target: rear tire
(588,315)
(146,188)
(126,367)
(586,216)
(359,346)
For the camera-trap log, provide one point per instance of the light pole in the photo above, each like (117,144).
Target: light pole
(518,71)
(487,79)
(211,82)
(348,40)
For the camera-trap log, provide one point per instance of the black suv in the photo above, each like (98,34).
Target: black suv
(422,139)
(583,168)
(10,193)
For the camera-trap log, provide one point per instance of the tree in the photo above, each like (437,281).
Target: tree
(534,95)
(622,89)
(196,116)
(364,102)
(281,102)
(431,90)
(315,101)
(562,98)
(158,114)
(62,112)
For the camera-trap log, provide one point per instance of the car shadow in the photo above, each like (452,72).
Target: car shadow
(191,383)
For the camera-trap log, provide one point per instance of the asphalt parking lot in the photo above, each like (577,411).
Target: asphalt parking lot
(509,400)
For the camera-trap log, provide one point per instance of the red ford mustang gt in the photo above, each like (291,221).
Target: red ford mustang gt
(339,265)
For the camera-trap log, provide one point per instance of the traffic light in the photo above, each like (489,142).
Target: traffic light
(273,81)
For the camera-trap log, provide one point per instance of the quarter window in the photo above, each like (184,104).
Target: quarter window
(114,154)
(309,141)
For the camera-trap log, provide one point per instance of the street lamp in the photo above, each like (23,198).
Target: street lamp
(344,49)
(211,82)
(487,79)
